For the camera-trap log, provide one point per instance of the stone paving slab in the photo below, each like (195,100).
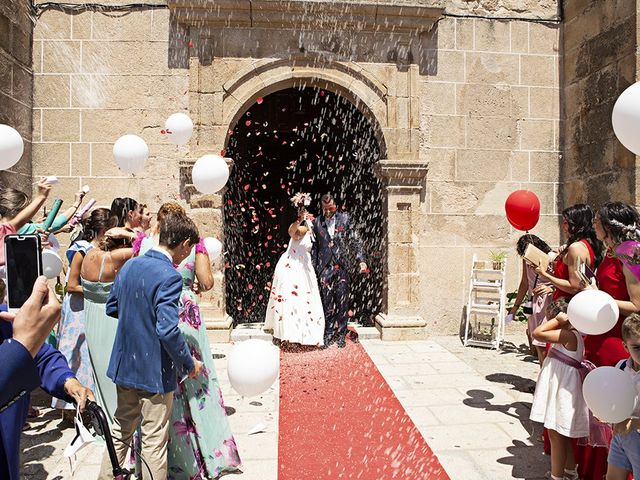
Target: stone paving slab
(471,405)
(43,455)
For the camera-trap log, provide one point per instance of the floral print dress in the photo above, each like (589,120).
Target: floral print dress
(201,445)
(72,341)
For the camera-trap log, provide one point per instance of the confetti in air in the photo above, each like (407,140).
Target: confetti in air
(300,140)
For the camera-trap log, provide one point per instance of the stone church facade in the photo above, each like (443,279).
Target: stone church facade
(470,100)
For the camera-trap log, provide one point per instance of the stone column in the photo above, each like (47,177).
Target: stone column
(405,187)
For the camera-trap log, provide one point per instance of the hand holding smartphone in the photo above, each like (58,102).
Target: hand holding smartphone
(37,317)
(23,263)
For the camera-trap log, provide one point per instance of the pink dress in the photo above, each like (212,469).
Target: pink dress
(539,303)
(5,229)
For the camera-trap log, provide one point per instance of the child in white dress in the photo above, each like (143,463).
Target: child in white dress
(558,400)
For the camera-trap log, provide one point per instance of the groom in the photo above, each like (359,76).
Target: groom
(336,243)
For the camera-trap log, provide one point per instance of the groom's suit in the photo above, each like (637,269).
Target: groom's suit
(333,257)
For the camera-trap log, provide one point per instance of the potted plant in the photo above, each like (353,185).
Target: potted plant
(498,259)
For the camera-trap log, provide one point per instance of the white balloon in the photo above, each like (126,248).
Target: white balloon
(610,394)
(11,147)
(54,244)
(253,366)
(626,118)
(593,312)
(214,248)
(179,128)
(210,173)
(51,264)
(130,153)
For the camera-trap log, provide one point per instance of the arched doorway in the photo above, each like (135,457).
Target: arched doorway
(299,139)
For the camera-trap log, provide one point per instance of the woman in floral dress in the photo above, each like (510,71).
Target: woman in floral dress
(201,445)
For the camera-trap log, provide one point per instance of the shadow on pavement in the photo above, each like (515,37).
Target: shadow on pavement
(526,458)
(522,351)
(521,384)
(38,437)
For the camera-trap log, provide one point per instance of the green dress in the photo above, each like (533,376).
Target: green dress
(201,445)
(101,333)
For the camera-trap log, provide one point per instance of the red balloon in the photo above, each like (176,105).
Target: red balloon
(523,209)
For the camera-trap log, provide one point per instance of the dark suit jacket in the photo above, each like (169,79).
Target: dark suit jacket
(344,248)
(149,346)
(18,376)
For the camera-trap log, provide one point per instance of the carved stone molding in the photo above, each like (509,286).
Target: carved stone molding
(402,174)
(411,16)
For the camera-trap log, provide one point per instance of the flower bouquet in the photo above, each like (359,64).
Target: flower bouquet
(301,200)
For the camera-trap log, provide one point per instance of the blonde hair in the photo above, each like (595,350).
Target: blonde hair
(631,327)
(12,201)
(169,208)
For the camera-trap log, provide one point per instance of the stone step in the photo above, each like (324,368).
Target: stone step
(367,333)
(245,331)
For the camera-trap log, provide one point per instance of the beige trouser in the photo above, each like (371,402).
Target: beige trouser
(155,409)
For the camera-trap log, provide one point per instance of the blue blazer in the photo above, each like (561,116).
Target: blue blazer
(20,374)
(343,248)
(149,346)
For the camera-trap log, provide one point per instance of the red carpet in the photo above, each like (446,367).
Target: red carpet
(340,419)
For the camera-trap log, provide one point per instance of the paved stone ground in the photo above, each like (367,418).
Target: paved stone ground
(470,404)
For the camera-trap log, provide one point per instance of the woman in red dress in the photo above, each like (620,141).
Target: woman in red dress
(615,222)
(578,229)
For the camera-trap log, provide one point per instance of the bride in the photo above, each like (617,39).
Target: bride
(294,311)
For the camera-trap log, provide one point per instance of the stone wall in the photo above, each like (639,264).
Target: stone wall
(16,84)
(478,100)
(98,77)
(541,9)
(600,61)
(490,125)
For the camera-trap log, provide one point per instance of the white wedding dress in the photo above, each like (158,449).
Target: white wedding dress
(294,311)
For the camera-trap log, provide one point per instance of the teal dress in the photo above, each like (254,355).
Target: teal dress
(101,333)
(201,445)
(72,340)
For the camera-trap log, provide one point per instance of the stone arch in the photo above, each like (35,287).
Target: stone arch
(349,80)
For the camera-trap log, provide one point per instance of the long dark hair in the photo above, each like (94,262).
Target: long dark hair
(528,238)
(620,221)
(98,222)
(120,207)
(580,219)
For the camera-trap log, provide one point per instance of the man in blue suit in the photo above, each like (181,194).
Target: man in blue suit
(26,364)
(336,247)
(149,346)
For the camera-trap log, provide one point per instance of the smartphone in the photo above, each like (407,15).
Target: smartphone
(584,272)
(23,264)
(587,272)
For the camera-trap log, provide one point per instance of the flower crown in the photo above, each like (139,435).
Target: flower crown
(631,232)
(301,199)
